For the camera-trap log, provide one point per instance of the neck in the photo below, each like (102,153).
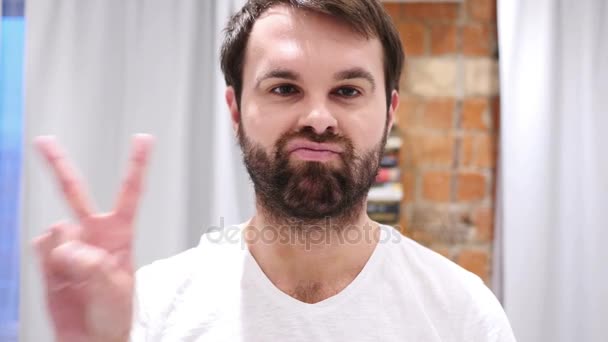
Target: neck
(327,251)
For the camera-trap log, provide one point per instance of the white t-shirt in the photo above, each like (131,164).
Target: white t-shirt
(405,292)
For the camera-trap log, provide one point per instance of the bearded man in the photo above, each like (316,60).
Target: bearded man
(312,88)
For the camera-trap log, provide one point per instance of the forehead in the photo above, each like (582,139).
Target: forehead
(292,38)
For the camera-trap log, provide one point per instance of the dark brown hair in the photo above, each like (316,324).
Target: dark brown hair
(366,17)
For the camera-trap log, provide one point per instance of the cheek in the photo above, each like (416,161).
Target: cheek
(365,131)
(264,127)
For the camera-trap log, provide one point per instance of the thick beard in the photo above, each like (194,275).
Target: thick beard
(311,195)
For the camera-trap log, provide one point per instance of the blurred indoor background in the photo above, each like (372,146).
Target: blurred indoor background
(497,162)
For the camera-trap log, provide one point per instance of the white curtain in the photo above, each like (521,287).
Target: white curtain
(98,71)
(554,167)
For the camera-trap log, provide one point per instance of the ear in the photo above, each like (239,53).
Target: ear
(233,107)
(392,110)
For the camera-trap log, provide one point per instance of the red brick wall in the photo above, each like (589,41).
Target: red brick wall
(448,119)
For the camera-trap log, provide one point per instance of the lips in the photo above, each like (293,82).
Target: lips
(312,146)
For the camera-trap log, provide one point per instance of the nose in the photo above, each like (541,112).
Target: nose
(319,119)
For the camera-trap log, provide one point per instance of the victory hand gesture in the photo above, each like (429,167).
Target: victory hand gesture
(88,266)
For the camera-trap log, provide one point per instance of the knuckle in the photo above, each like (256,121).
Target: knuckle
(69,185)
(132,185)
(124,214)
(92,265)
(54,157)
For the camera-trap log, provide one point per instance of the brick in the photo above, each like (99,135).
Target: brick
(474,113)
(434,78)
(439,114)
(476,261)
(403,225)
(413,36)
(426,217)
(479,150)
(477,40)
(443,250)
(408,180)
(444,39)
(394,10)
(433,224)
(471,186)
(481,77)
(431,11)
(436,186)
(482,10)
(483,220)
(462,216)
(428,149)
(486,152)
(437,77)
(408,111)
(467,153)
(422,237)
(495,113)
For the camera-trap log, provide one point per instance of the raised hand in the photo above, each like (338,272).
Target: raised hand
(88,266)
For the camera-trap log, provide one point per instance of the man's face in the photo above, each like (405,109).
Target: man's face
(313,117)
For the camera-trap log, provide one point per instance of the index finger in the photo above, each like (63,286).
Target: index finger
(129,195)
(66,176)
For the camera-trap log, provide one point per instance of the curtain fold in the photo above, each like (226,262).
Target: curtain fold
(98,71)
(554,167)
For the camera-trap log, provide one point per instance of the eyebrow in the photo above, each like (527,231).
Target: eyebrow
(349,74)
(355,73)
(278,73)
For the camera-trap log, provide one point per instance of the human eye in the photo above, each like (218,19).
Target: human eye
(347,92)
(284,90)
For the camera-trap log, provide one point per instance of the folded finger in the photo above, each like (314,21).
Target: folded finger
(43,245)
(78,262)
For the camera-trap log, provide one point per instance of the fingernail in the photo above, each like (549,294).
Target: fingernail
(43,139)
(144,138)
